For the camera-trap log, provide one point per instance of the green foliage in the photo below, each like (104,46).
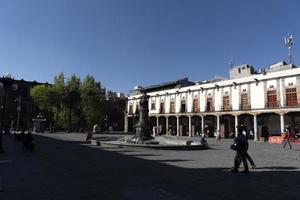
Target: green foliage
(41,96)
(73,104)
(92,101)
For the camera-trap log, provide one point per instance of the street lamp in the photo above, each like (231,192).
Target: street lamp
(6,83)
(19,101)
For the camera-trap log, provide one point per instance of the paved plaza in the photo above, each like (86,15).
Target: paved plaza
(65,167)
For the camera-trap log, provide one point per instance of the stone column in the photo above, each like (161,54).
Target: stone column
(126,123)
(157,125)
(177,117)
(255,127)
(236,124)
(202,124)
(281,122)
(218,123)
(167,125)
(190,126)
(281,92)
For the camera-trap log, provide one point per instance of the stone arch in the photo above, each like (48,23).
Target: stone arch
(292,119)
(268,124)
(227,126)
(130,124)
(162,125)
(246,120)
(152,123)
(172,123)
(210,125)
(183,126)
(196,125)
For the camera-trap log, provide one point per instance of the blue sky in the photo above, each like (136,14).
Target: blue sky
(124,43)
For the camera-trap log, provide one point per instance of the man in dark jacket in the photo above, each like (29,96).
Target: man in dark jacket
(241,152)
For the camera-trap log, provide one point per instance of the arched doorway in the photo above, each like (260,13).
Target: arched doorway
(152,123)
(292,120)
(210,125)
(162,125)
(183,126)
(196,125)
(268,124)
(172,123)
(130,124)
(227,126)
(247,121)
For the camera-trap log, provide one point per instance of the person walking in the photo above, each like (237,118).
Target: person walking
(240,156)
(248,157)
(286,138)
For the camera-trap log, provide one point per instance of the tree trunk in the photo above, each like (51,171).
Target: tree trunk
(70,121)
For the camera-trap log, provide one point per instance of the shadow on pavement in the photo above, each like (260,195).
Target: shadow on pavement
(67,170)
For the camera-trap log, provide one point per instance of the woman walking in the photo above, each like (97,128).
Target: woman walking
(286,138)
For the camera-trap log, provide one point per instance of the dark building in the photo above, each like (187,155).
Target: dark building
(115,114)
(28,110)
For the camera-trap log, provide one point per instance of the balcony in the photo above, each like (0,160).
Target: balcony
(245,107)
(226,108)
(210,109)
(183,110)
(195,110)
(162,111)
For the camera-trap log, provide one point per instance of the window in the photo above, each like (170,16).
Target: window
(183,108)
(172,107)
(162,108)
(153,106)
(137,109)
(209,106)
(244,102)
(130,110)
(226,103)
(272,98)
(291,97)
(195,105)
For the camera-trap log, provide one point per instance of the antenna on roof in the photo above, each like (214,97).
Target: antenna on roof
(231,63)
(288,41)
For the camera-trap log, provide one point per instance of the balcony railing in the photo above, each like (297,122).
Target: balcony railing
(245,107)
(210,109)
(226,108)
(183,110)
(195,110)
(161,110)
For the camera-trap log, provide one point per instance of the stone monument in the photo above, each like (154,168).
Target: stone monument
(143,132)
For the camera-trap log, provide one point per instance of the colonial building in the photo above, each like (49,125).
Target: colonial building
(20,109)
(260,100)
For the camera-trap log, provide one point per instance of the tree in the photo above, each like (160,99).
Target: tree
(71,98)
(57,93)
(41,95)
(92,101)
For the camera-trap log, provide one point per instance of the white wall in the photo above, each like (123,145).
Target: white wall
(235,98)
(272,83)
(257,97)
(292,80)
(218,99)
(202,101)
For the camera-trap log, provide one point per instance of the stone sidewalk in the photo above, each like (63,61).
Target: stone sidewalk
(64,167)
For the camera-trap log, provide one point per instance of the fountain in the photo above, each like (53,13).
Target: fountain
(143,137)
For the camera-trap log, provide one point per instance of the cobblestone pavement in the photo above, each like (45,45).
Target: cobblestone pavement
(65,167)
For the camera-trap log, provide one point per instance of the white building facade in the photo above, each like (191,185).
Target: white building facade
(265,101)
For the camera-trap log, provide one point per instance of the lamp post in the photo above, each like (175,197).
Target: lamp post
(19,101)
(6,83)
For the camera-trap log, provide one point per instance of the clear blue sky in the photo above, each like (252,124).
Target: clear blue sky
(124,43)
